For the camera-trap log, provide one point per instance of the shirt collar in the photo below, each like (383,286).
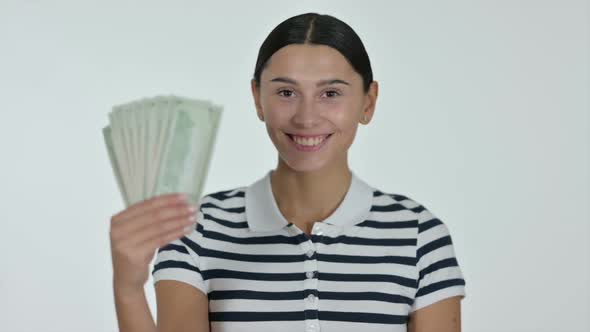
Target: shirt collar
(263,214)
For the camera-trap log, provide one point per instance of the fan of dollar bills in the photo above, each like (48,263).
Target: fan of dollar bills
(161,145)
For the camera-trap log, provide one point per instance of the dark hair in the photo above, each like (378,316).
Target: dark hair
(314,28)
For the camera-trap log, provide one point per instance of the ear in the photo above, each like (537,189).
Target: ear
(256,96)
(370,102)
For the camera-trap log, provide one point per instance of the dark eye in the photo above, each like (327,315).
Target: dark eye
(289,91)
(337,94)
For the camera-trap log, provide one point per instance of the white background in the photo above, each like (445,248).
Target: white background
(482,116)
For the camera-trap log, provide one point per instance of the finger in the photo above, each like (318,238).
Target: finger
(163,239)
(128,228)
(161,228)
(149,204)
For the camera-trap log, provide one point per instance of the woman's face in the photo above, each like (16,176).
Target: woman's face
(312,91)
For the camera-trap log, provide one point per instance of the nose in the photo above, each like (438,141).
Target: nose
(306,115)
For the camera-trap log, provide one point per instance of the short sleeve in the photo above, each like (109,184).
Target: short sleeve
(180,259)
(439,273)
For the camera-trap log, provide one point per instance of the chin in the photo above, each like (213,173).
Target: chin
(305,165)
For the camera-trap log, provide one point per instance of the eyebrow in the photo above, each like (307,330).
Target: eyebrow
(318,84)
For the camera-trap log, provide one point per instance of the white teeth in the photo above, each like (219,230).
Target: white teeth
(308,141)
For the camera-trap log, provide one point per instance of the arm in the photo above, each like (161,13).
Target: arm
(134,234)
(133,313)
(181,307)
(441,316)
(441,286)
(181,292)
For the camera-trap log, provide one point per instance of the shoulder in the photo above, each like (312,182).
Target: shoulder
(435,253)
(222,195)
(429,227)
(402,202)
(225,208)
(438,273)
(225,196)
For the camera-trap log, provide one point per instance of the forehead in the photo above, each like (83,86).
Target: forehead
(305,62)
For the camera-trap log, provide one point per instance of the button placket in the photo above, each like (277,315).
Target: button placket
(310,285)
(310,266)
(312,326)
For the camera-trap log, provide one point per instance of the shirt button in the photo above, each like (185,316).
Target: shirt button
(309,253)
(309,274)
(310,297)
(311,328)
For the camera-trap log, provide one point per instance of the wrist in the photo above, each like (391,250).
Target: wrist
(127,292)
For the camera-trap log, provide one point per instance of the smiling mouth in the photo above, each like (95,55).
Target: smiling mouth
(308,142)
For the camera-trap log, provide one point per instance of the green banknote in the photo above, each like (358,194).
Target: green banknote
(161,145)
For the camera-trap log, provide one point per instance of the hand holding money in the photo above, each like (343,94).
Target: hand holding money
(158,147)
(139,230)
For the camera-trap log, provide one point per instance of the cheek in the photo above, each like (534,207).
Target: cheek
(345,119)
(276,118)
(346,122)
(277,112)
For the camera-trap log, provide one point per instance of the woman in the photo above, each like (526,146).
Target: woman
(309,246)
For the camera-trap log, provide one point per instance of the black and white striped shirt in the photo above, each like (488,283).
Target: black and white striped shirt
(378,257)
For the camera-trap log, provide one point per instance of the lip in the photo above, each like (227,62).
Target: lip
(308,148)
(308,136)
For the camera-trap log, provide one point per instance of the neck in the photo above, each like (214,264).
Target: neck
(306,197)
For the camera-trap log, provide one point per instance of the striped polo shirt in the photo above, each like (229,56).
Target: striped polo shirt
(378,257)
